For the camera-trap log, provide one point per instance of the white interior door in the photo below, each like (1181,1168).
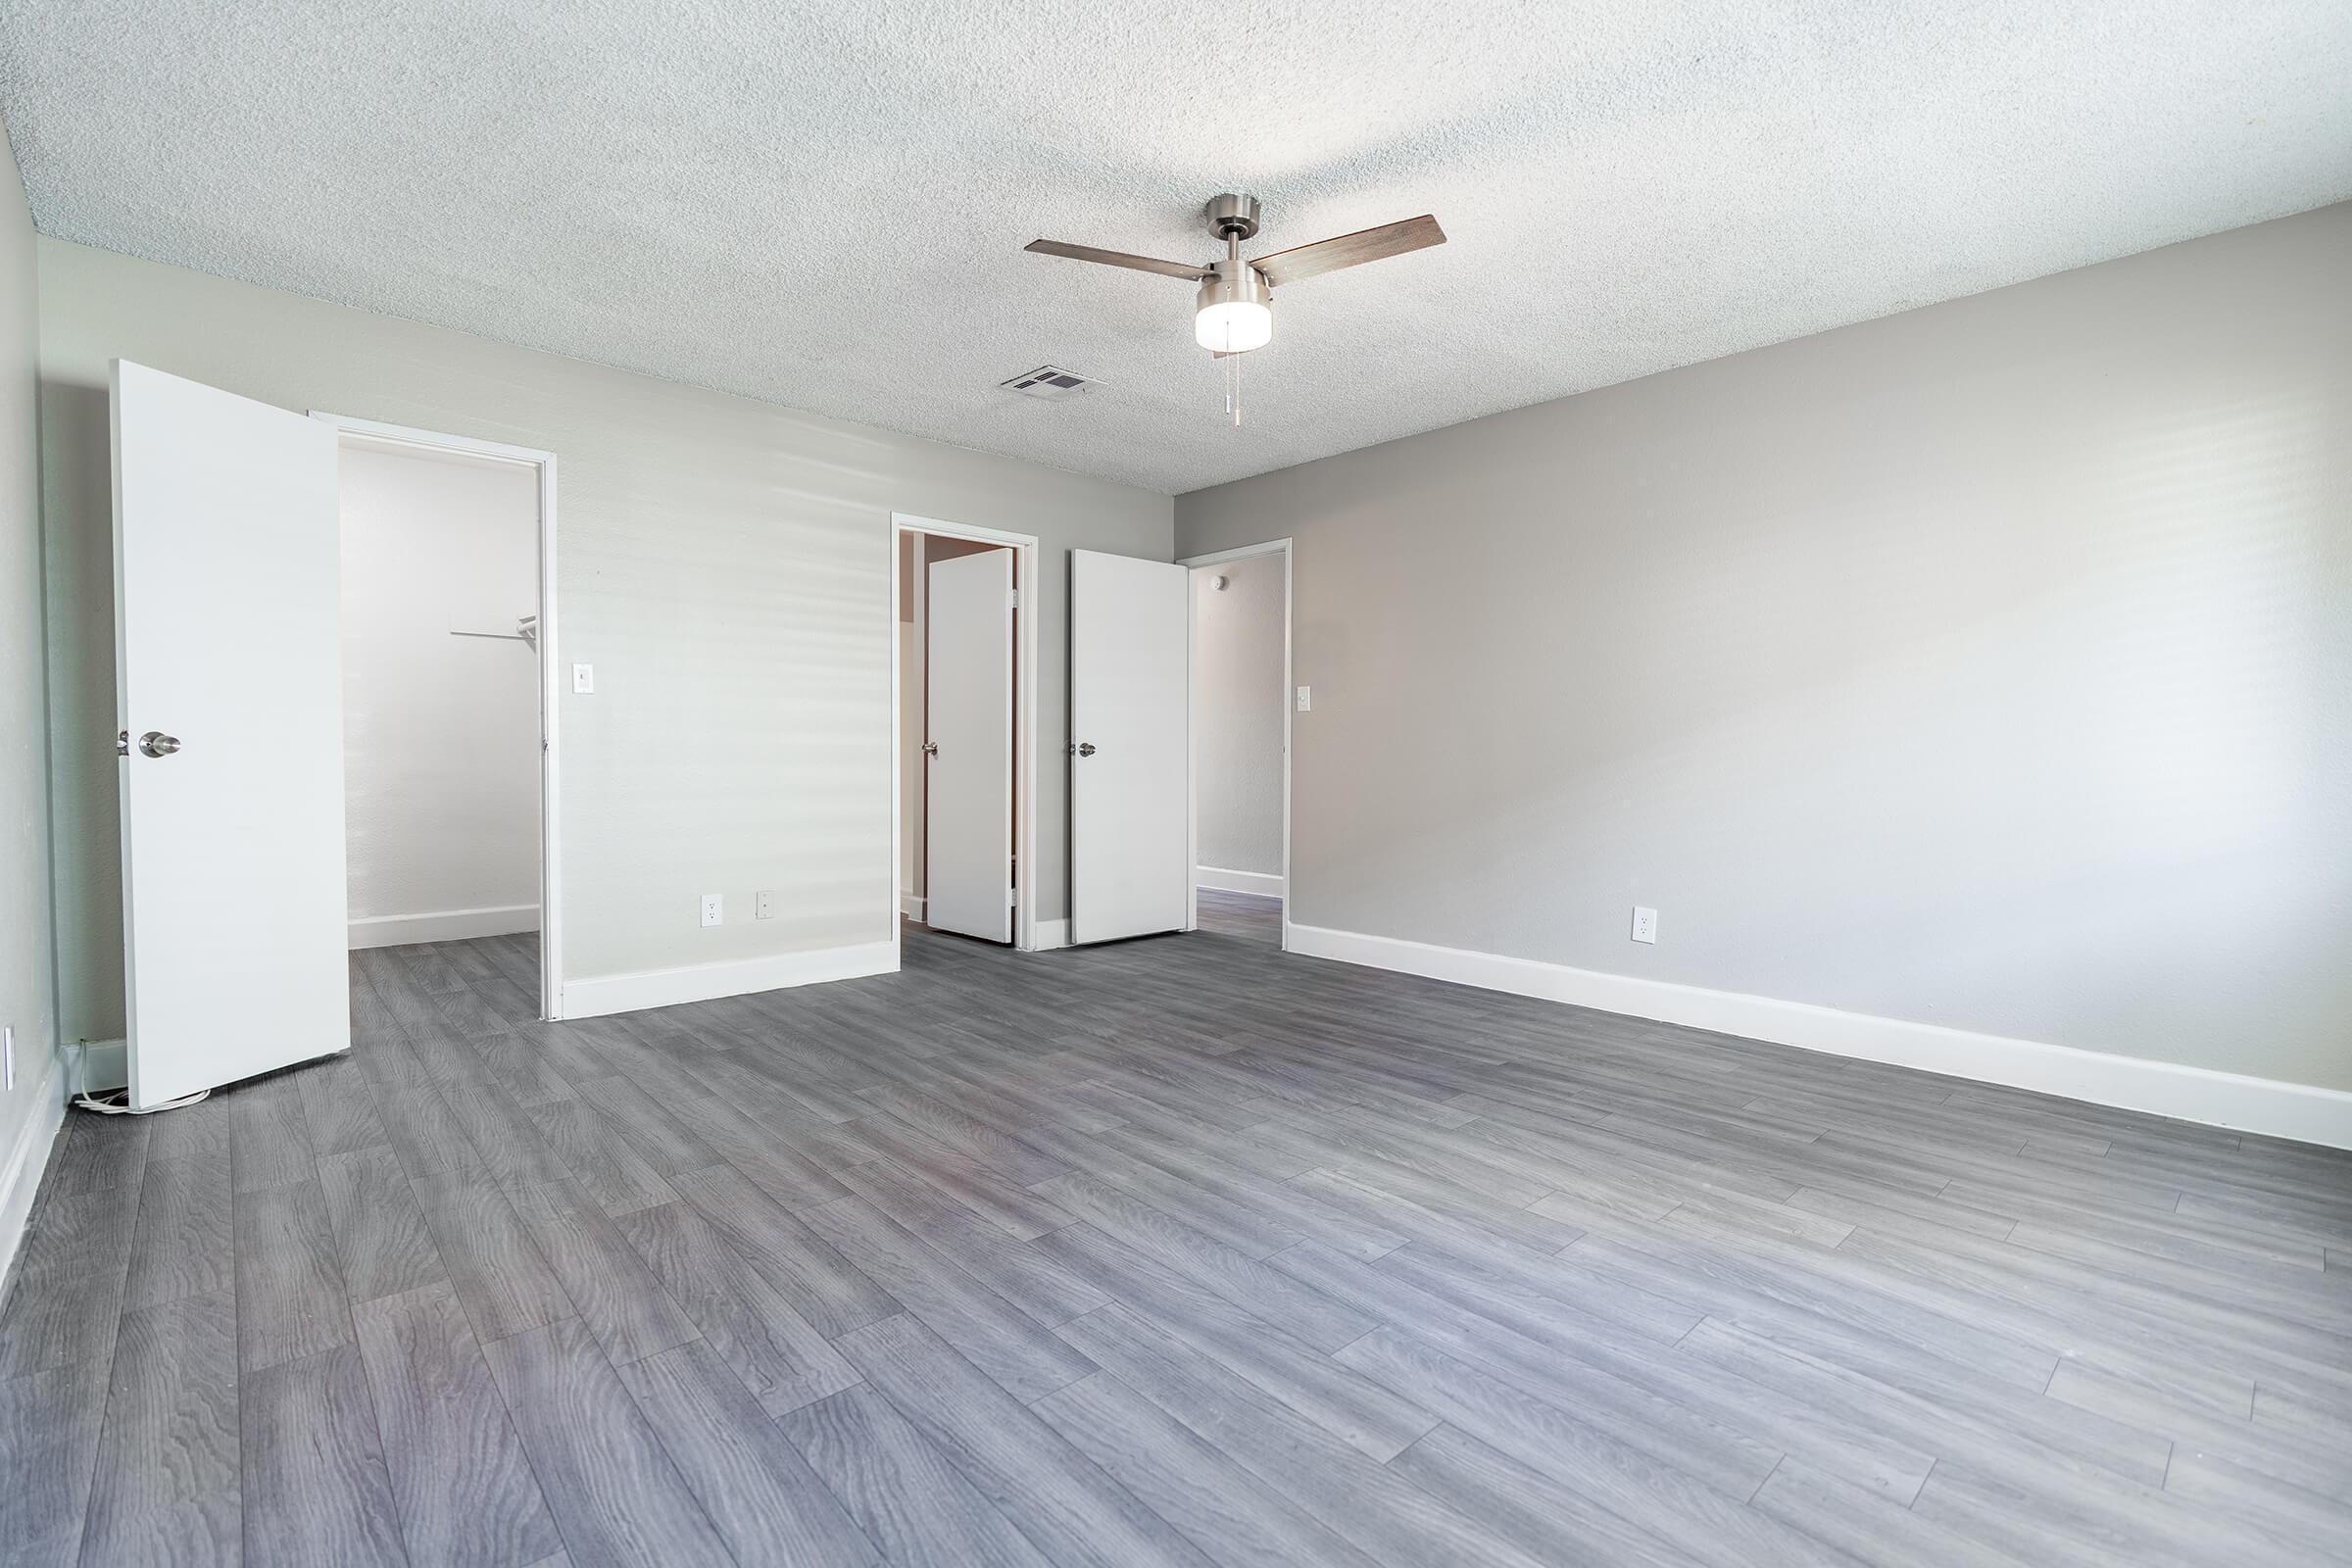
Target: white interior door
(1130,668)
(967,703)
(228,669)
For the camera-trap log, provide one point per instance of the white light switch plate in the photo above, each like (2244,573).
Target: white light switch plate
(1646,924)
(1306,699)
(715,909)
(583,679)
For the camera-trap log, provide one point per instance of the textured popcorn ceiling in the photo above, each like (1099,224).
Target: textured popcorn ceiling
(826,206)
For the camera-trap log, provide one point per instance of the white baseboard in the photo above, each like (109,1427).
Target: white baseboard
(443,926)
(1261,882)
(911,904)
(2166,1089)
(701,982)
(1052,934)
(20,1175)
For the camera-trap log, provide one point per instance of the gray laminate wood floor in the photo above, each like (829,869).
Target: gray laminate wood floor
(1174,1251)
(1249,916)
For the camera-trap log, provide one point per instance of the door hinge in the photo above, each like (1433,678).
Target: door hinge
(1013,599)
(1012,898)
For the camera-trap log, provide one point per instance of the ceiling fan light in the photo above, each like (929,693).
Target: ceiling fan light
(1236,308)
(1234,327)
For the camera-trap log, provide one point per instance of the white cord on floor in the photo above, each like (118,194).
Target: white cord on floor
(121,1104)
(118,1100)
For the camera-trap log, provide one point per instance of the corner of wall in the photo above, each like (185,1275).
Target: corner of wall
(32,1113)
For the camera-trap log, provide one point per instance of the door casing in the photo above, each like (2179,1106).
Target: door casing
(550,686)
(1024,720)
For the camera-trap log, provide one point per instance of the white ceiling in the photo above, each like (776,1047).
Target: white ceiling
(825,205)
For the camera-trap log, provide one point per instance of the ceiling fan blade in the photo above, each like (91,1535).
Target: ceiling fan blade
(1349,250)
(1141,264)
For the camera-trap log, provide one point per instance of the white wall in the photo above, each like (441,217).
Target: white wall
(723,562)
(1237,717)
(30,1112)
(440,733)
(1989,665)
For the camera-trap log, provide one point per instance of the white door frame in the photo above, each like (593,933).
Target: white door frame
(550,752)
(1289,703)
(1024,720)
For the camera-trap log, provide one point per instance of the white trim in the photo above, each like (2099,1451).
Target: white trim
(551,689)
(701,982)
(432,440)
(21,1182)
(1024,714)
(1289,706)
(1263,883)
(443,926)
(1052,934)
(910,905)
(2230,1099)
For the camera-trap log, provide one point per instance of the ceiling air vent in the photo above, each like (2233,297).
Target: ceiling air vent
(1048,381)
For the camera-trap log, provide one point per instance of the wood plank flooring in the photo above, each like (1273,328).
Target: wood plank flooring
(1175,1251)
(1250,916)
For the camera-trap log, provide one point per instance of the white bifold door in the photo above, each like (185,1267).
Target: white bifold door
(968,720)
(227,668)
(1130,671)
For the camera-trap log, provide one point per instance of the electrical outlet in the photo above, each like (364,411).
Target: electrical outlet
(1646,924)
(1306,699)
(763,904)
(715,909)
(583,679)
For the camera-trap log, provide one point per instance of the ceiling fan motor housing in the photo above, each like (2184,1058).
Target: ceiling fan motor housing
(1235,282)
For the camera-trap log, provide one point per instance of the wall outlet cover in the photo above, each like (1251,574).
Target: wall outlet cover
(1646,924)
(715,909)
(763,904)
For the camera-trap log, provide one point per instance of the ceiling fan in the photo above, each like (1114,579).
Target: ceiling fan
(1235,310)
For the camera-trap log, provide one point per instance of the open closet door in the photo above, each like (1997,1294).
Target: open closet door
(967,713)
(1130,667)
(228,669)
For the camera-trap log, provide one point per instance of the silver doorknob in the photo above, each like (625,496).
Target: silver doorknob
(154,742)
(1086,747)
(930,748)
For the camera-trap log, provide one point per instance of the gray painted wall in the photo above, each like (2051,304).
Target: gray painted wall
(1237,715)
(723,562)
(1989,665)
(26,996)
